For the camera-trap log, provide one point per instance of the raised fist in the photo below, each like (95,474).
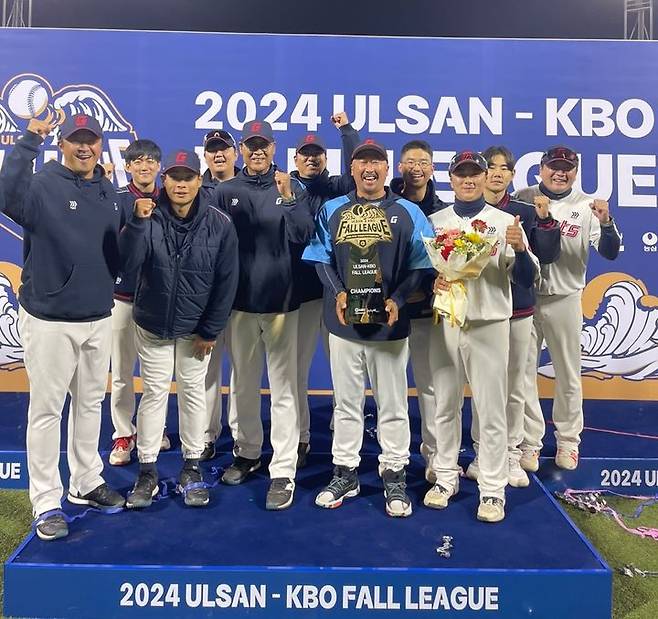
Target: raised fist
(541,206)
(282,180)
(340,119)
(144,207)
(601,210)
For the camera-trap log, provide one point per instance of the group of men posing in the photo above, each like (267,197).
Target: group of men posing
(248,260)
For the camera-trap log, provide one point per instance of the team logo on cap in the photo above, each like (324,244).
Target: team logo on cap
(181,157)
(309,139)
(81,121)
(256,126)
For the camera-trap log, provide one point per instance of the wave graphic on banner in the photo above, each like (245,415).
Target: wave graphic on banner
(7,123)
(11,349)
(621,339)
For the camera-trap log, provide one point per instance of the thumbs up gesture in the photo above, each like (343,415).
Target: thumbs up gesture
(144,207)
(514,235)
(541,206)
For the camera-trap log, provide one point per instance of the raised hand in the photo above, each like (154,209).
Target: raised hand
(541,206)
(514,235)
(40,127)
(601,210)
(283,184)
(144,207)
(340,119)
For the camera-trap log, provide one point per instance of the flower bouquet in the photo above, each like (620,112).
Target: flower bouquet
(458,254)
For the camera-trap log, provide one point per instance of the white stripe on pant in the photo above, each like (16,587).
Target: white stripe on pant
(124,357)
(559,320)
(385,364)
(273,337)
(158,357)
(519,350)
(419,352)
(478,354)
(61,357)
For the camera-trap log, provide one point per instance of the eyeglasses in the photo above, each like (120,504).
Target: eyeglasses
(412,163)
(147,160)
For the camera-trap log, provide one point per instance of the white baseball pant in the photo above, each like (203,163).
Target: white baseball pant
(273,337)
(214,392)
(63,357)
(558,320)
(477,354)
(519,350)
(124,357)
(419,354)
(158,357)
(384,363)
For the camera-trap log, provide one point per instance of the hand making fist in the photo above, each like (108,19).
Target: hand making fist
(601,210)
(340,119)
(283,184)
(144,207)
(541,206)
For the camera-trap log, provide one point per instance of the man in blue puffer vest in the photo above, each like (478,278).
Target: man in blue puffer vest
(188,253)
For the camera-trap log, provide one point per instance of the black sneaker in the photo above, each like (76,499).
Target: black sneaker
(398,503)
(280,494)
(344,484)
(51,525)
(208,452)
(102,497)
(145,488)
(239,470)
(303,450)
(192,487)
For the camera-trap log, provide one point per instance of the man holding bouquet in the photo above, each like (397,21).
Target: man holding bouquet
(473,344)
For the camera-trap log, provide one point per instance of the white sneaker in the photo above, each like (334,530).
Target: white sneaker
(517,477)
(165,443)
(530,460)
(491,509)
(437,496)
(566,458)
(121,450)
(473,469)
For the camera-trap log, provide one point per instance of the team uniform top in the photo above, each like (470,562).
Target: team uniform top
(490,295)
(580,228)
(267,230)
(209,184)
(403,261)
(70,249)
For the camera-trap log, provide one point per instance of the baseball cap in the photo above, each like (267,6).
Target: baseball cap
(257,129)
(560,153)
(77,122)
(370,145)
(216,137)
(182,159)
(311,139)
(468,156)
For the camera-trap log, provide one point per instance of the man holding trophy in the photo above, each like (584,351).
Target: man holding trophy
(369,254)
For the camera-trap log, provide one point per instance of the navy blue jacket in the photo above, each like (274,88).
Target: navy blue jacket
(267,230)
(544,238)
(418,307)
(189,269)
(70,248)
(209,184)
(403,261)
(320,189)
(125,284)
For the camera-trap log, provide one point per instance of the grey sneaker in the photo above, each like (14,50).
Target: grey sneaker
(240,470)
(192,487)
(491,509)
(303,450)
(208,452)
(398,503)
(51,525)
(145,488)
(344,484)
(280,494)
(102,497)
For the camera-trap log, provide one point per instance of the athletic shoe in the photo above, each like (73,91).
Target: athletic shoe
(209,452)
(530,460)
(51,525)
(192,487)
(566,458)
(145,488)
(516,476)
(398,503)
(303,450)
(121,449)
(473,469)
(344,484)
(102,497)
(280,494)
(165,443)
(239,470)
(491,509)
(430,475)
(437,496)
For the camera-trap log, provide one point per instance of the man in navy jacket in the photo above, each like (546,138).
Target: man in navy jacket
(71,219)
(187,250)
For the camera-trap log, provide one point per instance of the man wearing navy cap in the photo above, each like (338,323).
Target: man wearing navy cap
(271,215)
(186,250)
(71,219)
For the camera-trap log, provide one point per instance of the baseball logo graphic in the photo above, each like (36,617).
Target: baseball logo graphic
(27,98)
(650,238)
